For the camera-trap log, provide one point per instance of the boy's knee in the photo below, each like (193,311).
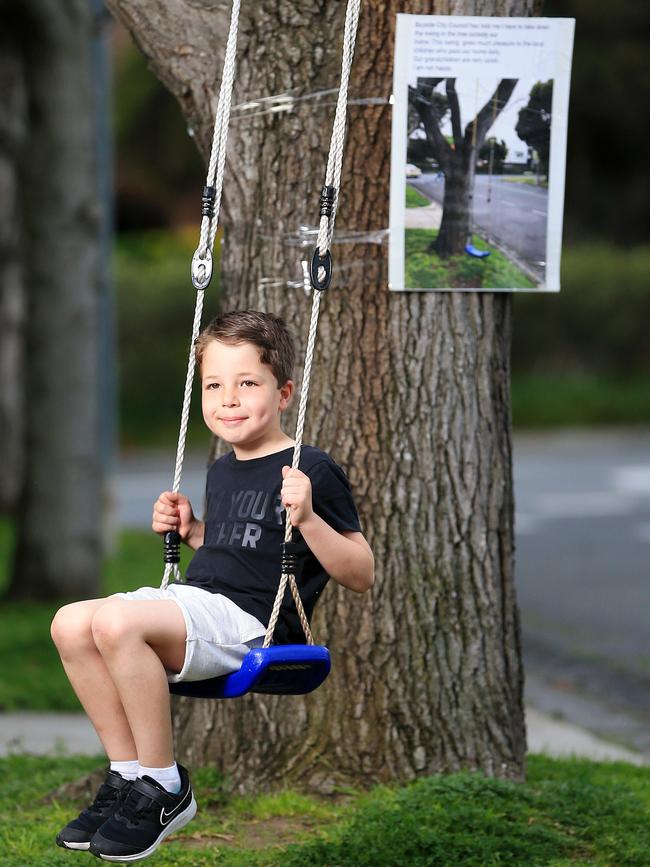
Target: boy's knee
(69,626)
(110,626)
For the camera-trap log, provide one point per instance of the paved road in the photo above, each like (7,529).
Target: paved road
(583,577)
(582,570)
(515,214)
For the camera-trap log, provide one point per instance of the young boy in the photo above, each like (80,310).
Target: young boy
(120,653)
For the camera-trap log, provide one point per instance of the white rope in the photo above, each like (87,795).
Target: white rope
(216,166)
(206,243)
(326,230)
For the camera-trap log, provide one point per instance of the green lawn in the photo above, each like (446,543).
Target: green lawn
(568,812)
(524,179)
(415,199)
(425,270)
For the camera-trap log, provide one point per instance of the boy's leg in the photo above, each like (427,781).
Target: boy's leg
(139,642)
(90,678)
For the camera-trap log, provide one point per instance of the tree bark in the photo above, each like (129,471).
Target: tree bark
(410,394)
(58,546)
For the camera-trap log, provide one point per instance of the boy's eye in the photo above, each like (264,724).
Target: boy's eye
(248,382)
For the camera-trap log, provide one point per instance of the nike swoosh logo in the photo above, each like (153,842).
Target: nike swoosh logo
(166,817)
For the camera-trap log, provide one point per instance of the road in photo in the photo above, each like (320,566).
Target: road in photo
(515,218)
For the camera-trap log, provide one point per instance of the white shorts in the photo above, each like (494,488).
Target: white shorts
(219,633)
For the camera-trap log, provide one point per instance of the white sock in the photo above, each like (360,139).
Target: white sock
(128,770)
(167,777)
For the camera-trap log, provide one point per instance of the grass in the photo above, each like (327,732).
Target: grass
(568,812)
(425,270)
(415,199)
(523,179)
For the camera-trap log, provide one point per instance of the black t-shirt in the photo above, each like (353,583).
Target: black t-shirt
(244,532)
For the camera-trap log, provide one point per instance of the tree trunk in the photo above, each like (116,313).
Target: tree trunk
(13,132)
(457,206)
(59,529)
(410,393)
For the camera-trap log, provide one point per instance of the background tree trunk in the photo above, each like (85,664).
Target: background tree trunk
(59,529)
(13,133)
(410,395)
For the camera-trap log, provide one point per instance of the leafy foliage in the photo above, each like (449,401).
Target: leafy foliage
(534,124)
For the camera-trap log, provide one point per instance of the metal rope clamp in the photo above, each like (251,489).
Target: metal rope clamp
(201,270)
(327,200)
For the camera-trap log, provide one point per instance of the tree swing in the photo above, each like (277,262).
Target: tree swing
(290,669)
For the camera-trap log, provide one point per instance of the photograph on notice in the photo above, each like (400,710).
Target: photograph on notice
(477,175)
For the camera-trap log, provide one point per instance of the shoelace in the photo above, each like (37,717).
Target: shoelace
(135,807)
(106,797)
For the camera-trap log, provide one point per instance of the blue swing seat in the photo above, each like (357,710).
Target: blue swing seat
(474,251)
(286,669)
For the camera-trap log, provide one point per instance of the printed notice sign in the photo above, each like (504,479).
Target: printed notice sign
(478,153)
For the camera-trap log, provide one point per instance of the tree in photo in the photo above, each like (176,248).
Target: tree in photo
(410,392)
(534,123)
(457,158)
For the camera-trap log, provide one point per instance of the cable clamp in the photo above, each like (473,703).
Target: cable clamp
(327,199)
(208,199)
(172,547)
(291,561)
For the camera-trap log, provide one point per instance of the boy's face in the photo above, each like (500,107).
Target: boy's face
(240,395)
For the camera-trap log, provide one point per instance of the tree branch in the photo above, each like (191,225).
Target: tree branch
(426,109)
(454,107)
(490,112)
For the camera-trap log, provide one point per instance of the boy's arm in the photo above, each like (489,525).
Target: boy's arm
(345,556)
(196,535)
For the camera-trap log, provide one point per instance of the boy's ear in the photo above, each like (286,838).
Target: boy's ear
(286,393)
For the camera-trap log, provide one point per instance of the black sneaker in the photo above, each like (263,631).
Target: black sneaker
(77,834)
(148,814)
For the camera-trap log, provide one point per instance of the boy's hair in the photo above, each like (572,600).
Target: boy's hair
(264,330)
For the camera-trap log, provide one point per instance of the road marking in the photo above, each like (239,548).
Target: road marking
(633,479)
(580,504)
